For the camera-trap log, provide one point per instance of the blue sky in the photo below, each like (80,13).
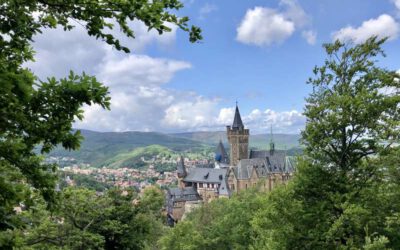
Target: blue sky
(259,53)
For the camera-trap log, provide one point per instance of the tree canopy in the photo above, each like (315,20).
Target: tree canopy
(40,113)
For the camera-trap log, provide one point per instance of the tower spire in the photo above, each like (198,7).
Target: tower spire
(237,121)
(271,143)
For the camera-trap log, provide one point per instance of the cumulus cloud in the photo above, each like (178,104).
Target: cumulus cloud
(59,51)
(383,26)
(397,3)
(207,9)
(310,36)
(140,97)
(294,12)
(191,114)
(265,26)
(283,122)
(138,70)
(203,117)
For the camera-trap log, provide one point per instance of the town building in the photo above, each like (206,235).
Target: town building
(228,174)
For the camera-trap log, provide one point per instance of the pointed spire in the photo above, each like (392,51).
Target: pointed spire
(272,144)
(181,169)
(237,121)
(220,153)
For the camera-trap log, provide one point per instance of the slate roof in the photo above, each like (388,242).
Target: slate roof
(245,167)
(223,189)
(180,194)
(184,194)
(237,121)
(264,163)
(277,161)
(206,175)
(221,153)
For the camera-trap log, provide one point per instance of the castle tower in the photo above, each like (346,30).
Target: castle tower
(238,138)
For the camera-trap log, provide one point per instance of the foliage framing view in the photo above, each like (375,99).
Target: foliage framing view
(345,195)
(41,113)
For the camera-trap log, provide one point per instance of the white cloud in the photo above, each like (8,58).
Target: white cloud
(225,116)
(396,3)
(282,122)
(294,12)
(383,26)
(310,36)
(138,70)
(58,51)
(138,84)
(201,115)
(191,114)
(207,9)
(263,26)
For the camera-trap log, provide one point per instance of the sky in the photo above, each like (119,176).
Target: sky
(258,53)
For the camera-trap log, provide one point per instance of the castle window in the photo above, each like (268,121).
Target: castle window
(246,186)
(200,185)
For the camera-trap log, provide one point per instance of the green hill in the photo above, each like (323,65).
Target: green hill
(133,158)
(98,147)
(116,149)
(260,141)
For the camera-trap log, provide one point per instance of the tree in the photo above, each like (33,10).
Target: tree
(342,195)
(220,224)
(40,114)
(85,220)
(22,19)
(349,114)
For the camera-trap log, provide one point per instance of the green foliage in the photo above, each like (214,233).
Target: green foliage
(85,220)
(85,181)
(34,112)
(22,19)
(221,224)
(344,188)
(349,115)
(133,158)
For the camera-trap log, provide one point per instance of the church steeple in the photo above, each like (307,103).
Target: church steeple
(271,144)
(237,121)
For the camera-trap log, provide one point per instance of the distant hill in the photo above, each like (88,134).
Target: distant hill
(132,158)
(98,147)
(260,141)
(116,149)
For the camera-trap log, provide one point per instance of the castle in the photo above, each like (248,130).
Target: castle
(263,169)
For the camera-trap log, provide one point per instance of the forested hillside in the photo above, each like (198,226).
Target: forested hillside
(260,141)
(114,148)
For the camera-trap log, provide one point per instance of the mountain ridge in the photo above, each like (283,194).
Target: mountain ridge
(99,148)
